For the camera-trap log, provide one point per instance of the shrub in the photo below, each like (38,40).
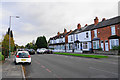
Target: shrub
(100,49)
(1,57)
(115,48)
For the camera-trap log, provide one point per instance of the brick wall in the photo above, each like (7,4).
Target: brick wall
(104,33)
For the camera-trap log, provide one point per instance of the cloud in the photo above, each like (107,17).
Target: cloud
(47,18)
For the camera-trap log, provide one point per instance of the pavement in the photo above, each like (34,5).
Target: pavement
(11,71)
(54,66)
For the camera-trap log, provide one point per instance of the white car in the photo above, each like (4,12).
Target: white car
(22,57)
(42,50)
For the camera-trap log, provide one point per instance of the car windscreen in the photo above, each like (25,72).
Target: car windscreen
(23,55)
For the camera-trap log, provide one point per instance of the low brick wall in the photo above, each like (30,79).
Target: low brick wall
(115,52)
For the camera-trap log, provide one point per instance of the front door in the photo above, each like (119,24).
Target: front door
(106,45)
(102,45)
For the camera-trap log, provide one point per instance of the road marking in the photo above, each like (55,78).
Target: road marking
(103,70)
(23,73)
(48,70)
(43,66)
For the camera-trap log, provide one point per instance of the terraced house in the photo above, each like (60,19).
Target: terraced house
(58,42)
(104,34)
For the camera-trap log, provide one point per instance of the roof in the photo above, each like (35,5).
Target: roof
(107,22)
(76,31)
(60,36)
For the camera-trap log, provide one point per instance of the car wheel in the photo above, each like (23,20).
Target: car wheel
(29,63)
(15,63)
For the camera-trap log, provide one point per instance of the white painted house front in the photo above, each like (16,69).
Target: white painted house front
(85,39)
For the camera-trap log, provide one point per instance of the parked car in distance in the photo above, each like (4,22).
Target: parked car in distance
(22,57)
(49,51)
(41,50)
(20,49)
(31,51)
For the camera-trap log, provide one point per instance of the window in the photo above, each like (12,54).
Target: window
(86,34)
(95,44)
(84,45)
(113,30)
(67,47)
(76,37)
(95,33)
(71,38)
(114,42)
(70,46)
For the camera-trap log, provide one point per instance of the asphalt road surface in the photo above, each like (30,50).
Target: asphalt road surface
(60,66)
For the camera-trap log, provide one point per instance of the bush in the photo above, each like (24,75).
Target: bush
(1,57)
(100,49)
(116,48)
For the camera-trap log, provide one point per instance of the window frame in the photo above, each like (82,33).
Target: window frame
(113,32)
(95,33)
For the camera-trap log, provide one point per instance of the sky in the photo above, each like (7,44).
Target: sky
(47,17)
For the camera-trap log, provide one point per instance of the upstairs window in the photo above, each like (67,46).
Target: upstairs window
(113,30)
(95,33)
(76,37)
(86,34)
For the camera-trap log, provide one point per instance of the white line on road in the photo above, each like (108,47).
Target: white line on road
(43,66)
(103,70)
(23,73)
(48,70)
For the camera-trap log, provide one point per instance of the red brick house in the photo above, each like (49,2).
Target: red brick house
(106,34)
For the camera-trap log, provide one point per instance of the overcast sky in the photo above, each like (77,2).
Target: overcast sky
(38,18)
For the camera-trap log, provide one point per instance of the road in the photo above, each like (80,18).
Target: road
(60,66)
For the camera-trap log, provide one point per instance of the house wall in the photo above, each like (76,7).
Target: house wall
(104,33)
(82,36)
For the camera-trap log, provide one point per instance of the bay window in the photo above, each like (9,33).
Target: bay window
(114,42)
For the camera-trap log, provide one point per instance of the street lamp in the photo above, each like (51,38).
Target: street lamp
(9,32)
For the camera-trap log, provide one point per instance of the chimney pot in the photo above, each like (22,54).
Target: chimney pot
(65,31)
(78,26)
(85,24)
(96,20)
(103,19)
(58,33)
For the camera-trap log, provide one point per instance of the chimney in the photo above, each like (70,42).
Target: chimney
(85,24)
(103,19)
(78,26)
(96,21)
(65,31)
(58,33)
(70,30)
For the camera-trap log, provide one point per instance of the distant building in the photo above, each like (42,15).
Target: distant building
(58,42)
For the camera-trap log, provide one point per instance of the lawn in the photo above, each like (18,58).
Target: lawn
(82,55)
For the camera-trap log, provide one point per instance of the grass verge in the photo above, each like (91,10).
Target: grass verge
(82,55)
